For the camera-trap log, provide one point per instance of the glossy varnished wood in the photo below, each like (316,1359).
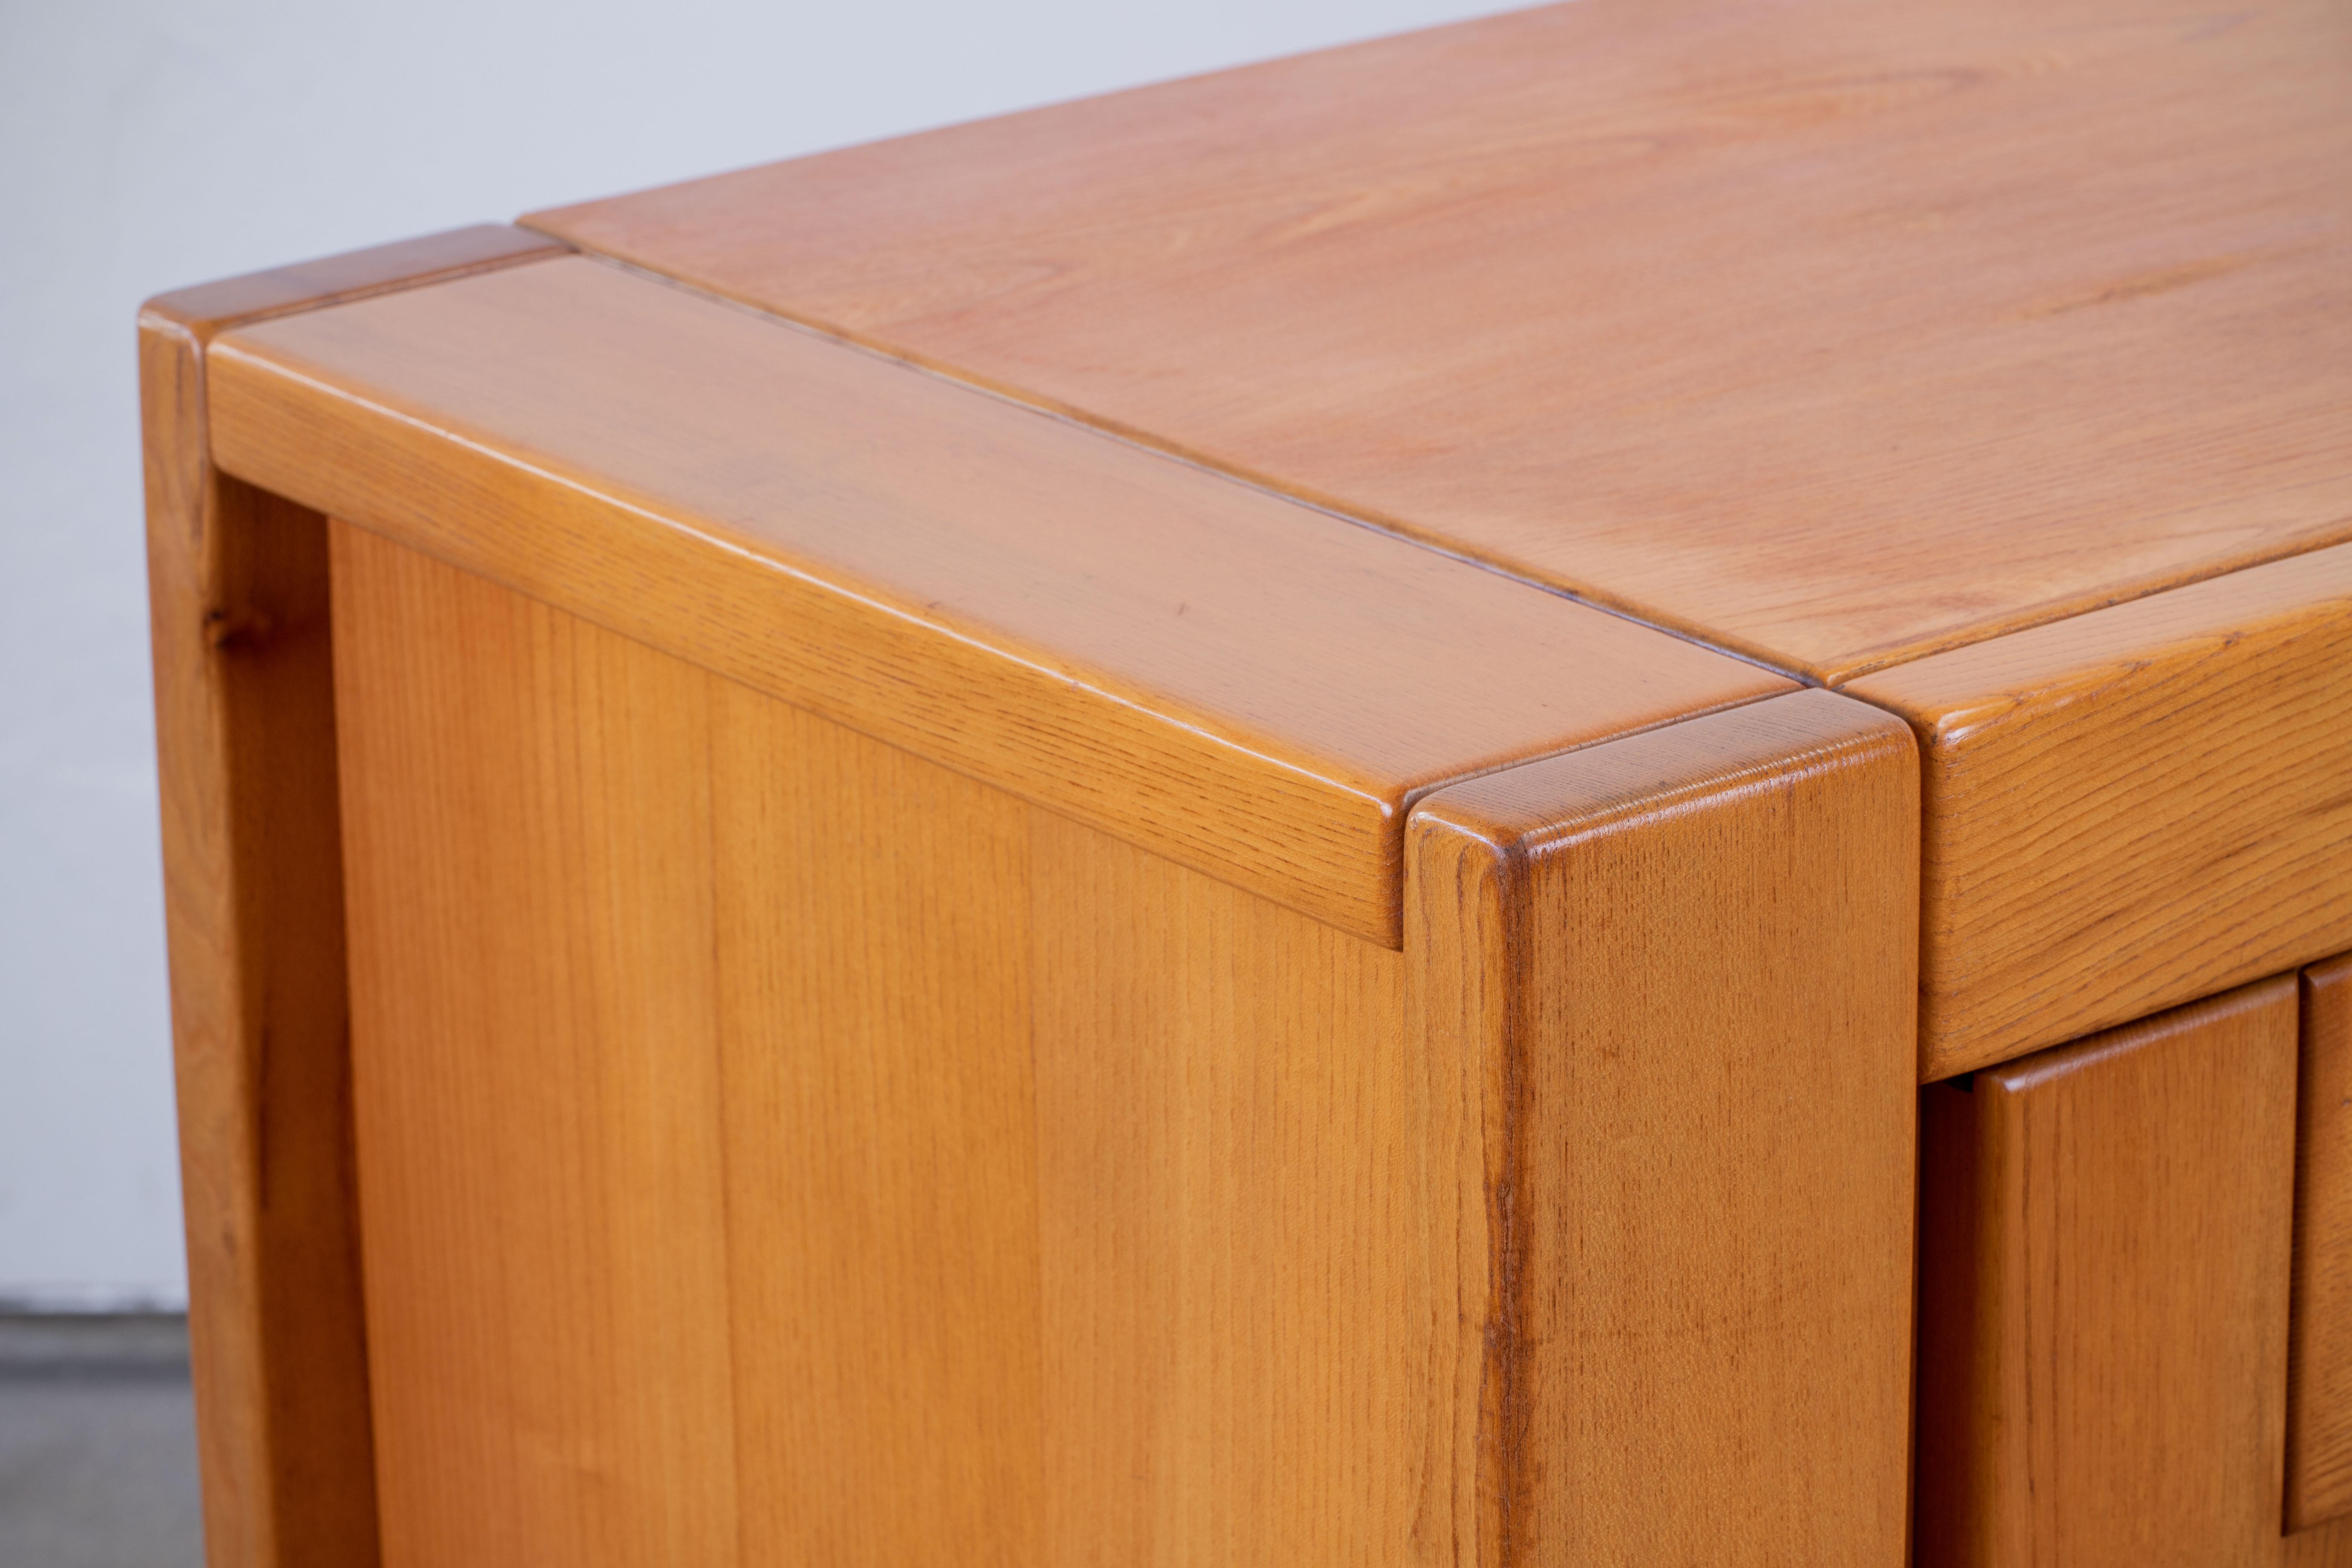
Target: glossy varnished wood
(2132,808)
(244,732)
(1681,965)
(1224,676)
(2319,1392)
(1841,331)
(2104,1280)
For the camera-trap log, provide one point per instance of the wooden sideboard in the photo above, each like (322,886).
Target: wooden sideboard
(1577,790)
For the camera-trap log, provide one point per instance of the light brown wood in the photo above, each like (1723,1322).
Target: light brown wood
(2319,1360)
(2132,808)
(1111,1223)
(1077,1207)
(882,1148)
(2103,1267)
(536,1068)
(964,946)
(2326,1545)
(1218,675)
(1263,1261)
(777,1148)
(1839,331)
(245,730)
(203,310)
(1681,964)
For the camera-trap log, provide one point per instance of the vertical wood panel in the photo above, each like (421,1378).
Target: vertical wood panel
(2104,1296)
(2319,1360)
(1082,1209)
(1263,1239)
(244,733)
(873,931)
(1685,962)
(254,906)
(536,1071)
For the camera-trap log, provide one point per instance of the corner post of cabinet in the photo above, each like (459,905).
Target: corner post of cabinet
(1679,969)
(237,589)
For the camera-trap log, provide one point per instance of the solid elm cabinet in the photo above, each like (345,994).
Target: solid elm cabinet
(1574,790)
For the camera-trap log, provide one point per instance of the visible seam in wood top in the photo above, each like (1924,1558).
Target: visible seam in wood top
(1143,440)
(202,336)
(2343,535)
(198,335)
(1403,528)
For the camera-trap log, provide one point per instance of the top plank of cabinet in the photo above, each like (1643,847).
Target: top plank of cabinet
(1244,683)
(1836,332)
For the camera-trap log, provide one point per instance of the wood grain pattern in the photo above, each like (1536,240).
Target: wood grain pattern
(882,1140)
(2319,1359)
(1682,964)
(2103,1267)
(1837,332)
(2327,1545)
(244,732)
(535,1040)
(1083,1209)
(1264,1260)
(1076,1206)
(2132,808)
(777,1148)
(1248,686)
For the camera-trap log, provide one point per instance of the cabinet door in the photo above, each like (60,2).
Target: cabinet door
(2104,1276)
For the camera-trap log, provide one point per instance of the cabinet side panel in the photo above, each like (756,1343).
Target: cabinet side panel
(1262,1242)
(2319,1391)
(1700,1120)
(2122,1402)
(881,1147)
(1079,1208)
(535,1075)
(253,876)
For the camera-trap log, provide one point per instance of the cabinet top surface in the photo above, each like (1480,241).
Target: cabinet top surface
(1835,330)
(1148,645)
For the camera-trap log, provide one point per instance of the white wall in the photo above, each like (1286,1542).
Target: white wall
(148,144)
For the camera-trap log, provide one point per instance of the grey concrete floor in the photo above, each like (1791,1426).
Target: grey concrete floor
(98,1447)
